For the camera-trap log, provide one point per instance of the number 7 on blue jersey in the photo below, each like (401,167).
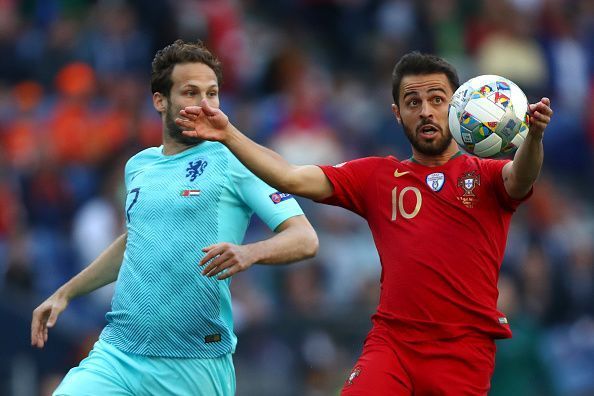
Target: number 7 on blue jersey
(135,191)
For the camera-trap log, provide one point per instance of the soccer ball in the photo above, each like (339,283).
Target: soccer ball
(488,116)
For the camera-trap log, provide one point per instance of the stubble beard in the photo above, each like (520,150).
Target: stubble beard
(175,132)
(434,147)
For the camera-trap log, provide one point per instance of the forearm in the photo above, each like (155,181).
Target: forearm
(102,271)
(526,166)
(263,162)
(291,244)
(528,160)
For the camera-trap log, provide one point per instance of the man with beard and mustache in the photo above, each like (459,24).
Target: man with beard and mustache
(170,329)
(439,220)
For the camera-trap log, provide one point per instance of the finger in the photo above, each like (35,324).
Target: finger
(229,273)
(190,133)
(225,264)
(211,253)
(209,111)
(541,107)
(184,123)
(213,263)
(218,264)
(39,338)
(539,117)
(37,326)
(187,115)
(34,328)
(53,317)
(195,110)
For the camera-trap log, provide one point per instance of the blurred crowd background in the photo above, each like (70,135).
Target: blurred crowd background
(311,79)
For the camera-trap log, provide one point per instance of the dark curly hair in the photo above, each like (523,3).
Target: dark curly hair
(180,52)
(416,63)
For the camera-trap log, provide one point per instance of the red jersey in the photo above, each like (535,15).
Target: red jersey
(440,233)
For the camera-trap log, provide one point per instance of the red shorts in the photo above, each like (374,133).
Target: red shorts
(388,366)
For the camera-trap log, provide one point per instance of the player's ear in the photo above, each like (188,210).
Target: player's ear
(159,102)
(396,112)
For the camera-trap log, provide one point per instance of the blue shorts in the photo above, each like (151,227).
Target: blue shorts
(109,371)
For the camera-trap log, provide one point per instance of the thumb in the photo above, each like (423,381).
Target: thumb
(53,318)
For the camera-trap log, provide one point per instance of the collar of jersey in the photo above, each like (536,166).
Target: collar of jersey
(413,160)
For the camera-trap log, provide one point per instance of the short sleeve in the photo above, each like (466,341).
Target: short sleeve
(494,168)
(127,172)
(350,180)
(131,169)
(271,206)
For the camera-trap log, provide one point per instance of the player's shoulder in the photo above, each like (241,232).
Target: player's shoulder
(145,156)
(472,160)
(233,163)
(486,167)
(368,162)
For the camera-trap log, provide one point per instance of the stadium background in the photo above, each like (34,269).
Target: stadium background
(310,78)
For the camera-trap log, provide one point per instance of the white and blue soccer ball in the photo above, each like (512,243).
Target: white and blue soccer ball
(488,116)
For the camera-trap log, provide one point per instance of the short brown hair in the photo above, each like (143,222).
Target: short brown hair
(416,63)
(180,52)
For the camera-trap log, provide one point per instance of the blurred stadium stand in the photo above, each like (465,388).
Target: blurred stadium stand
(310,78)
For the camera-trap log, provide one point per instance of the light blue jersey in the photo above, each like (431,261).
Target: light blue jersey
(176,205)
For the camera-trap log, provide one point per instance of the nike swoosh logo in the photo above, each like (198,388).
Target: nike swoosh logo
(398,174)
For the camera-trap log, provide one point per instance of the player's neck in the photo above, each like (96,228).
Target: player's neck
(172,146)
(438,159)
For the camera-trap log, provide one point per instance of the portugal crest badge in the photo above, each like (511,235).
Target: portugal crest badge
(468,181)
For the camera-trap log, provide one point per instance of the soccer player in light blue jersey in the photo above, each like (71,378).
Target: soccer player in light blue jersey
(170,328)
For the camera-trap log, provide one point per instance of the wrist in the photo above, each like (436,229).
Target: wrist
(64,293)
(254,254)
(536,136)
(231,135)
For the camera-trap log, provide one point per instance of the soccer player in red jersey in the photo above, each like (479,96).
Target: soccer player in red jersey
(439,220)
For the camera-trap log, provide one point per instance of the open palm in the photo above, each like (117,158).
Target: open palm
(204,122)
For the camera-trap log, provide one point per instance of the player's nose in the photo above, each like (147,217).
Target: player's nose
(426,110)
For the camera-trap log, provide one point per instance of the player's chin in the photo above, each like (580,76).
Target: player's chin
(181,137)
(434,146)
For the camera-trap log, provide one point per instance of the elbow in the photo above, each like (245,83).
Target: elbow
(292,182)
(290,186)
(310,244)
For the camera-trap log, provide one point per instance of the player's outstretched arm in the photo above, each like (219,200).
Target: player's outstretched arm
(102,271)
(209,123)
(295,240)
(520,174)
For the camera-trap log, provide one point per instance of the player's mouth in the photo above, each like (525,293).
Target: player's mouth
(428,130)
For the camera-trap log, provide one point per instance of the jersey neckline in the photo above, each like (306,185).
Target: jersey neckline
(413,161)
(187,151)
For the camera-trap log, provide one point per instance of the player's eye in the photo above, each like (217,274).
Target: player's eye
(413,102)
(213,94)
(438,100)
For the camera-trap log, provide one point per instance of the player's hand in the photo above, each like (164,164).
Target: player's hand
(540,116)
(204,122)
(44,317)
(226,257)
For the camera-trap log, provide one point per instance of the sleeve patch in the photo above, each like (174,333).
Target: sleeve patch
(279,197)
